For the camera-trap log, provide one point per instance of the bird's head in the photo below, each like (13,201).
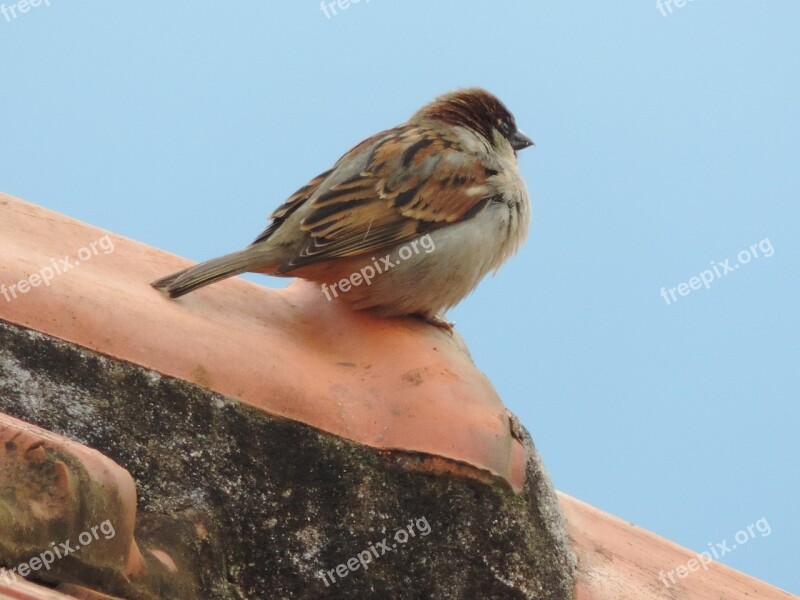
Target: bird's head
(480,111)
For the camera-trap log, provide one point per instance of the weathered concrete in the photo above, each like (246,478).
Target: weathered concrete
(252,506)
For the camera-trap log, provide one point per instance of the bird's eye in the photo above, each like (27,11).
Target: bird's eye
(506,128)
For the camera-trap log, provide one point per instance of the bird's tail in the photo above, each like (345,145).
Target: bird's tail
(209,272)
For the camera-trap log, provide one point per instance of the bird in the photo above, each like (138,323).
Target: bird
(406,223)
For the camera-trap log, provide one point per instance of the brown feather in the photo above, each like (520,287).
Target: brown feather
(448,174)
(410,186)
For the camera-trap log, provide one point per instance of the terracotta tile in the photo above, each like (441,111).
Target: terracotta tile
(288,352)
(53,490)
(23,590)
(617,560)
(83,593)
(291,354)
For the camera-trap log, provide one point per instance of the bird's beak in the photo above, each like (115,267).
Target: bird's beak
(520,141)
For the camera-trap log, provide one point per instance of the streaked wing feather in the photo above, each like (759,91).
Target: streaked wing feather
(415,181)
(280,214)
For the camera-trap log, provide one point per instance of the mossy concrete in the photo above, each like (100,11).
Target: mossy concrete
(255,507)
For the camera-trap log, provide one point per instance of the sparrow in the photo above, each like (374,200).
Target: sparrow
(405,223)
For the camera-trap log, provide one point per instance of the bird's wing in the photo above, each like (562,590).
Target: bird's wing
(296,200)
(280,214)
(415,180)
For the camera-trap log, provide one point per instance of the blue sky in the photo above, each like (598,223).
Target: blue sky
(666,145)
